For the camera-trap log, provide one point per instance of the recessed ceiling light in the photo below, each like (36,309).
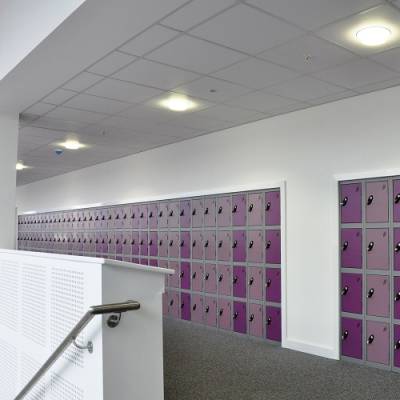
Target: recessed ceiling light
(20,166)
(72,144)
(178,103)
(373,35)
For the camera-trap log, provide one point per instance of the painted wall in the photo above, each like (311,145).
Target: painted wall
(307,149)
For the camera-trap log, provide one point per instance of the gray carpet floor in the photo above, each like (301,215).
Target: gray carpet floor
(202,364)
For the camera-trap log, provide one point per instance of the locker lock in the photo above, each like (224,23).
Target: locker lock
(109,217)
(206,244)
(220,210)
(251,244)
(171,302)
(343,203)
(235,315)
(251,207)
(182,274)
(345,245)
(397,345)
(397,248)
(268,245)
(251,318)
(117,241)
(151,214)
(235,279)
(194,211)
(125,241)
(206,211)
(159,243)
(234,208)
(182,213)
(345,334)
(194,243)
(221,311)
(345,290)
(142,242)
(182,305)
(397,297)
(370,199)
(370,246)
(268,283)
(109,241)
(220,243)
(370,293)
(182,243)
(141,215)
(207,309)
(97,218)
(269,320)
(133,242)
(133,216)
(234,245)
(194,307)
(251,281)
(171,242)
(150,242)
(160,214)
(220,278)
(268,206)
(194,275)
(370,339)
(397,198)
(206,276)
(171,213)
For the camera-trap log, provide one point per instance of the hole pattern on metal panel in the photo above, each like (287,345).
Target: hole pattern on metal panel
(9,285)
(62,389)
(29,367)
(8,367)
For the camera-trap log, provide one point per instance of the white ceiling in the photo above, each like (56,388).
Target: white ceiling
(241,61)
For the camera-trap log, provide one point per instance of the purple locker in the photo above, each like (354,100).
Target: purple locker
(163,244)
(197,245)
(174,279)
(185,214)
(153,244)
(185,244)
(173,214)
(377,248)
(239,246)
(209,211)
(97,219)
(225,314)
(224,207)
(351,248)
(396,297)
(255,246)
(273,285)
(103,218)
(273,323)
(185,275)
(273,246)
(396,200)
(144,261)
(197,213)
(173,304)
(352,338)
(197,308)
(153,262)
(273,208)
(173,244)
(152,211)
(165,303)
(210,278)
(351,293)
(135,244)
(126,220)
(239,282)
(210,311)
(255,210)
(396,246)
(396,337)
(185,306)
(225,280)
(239,317)
(350,203)
(378,295)
(143,216)
(162,215)
(224,245)
(209,244)
(378,342)
(256,320)
(239,210)
(119,239)
(255,283)
(144,243)
(135,214)
(85,242)
(197,277)
(119,218)
(377,202)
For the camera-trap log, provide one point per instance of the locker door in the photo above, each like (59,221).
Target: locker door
(274,323)
(378,342)
(255,209)
(378,295)
(273,247)
(256,320)
(352,338)
(378,248)
(377,202)
(239,203)
(239,317)
(185,214)
(272,208)
(224,213)
(350,203)
(351,248)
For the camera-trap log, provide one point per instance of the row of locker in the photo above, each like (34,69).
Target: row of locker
(377,339)
(376,250)
(243,209)
(376,201)
(376,295)
(256,246)
(237,316)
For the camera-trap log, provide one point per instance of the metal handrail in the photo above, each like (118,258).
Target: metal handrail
(116,308)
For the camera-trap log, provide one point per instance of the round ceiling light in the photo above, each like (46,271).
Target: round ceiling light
(373,35)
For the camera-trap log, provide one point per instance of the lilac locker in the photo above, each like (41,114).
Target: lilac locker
(377,202)
(126,244)
(97,219)
(273,320)
(351,293)
(174,279)
(352,338)
(153,244)
(396,339)
(239,204)
(103,218)
(185,307)
(225,314)
(239,317)
(378,342)
(197,304)
(163,244)
(185,244)
(224,213)
(92,219)
(197,213)
(273,246)
(239,281)
(272,208)
(210,311)
(119,243)
(273,285)
(118,217)
(185,275)
(209,244)
(224,245)
(135,244)
(377,291)
(239,246)
(197,277)
(135,216)
(79,247)
(185,214)
(396,247)
(351,248)
(173,304)
(173,214)
(377,248)
(225,280)
(173,244)
(209,212)
(143,216)
(396,200)
(162,215)
(126,220)
(256,320)
(255,209)
(86,246)
(255,283)
(197,245)
(70,243)
(350,203)
(99,245)
(255,246)
(396,297)
(210,278)
(152,215)
(144,244)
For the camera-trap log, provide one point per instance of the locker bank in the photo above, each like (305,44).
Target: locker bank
(201,200)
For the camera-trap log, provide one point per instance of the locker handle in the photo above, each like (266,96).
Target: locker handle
(117,217)
(235,279)
(206,276)
(160,243)
(370,246)
(397,198)
(194,307)
(234,245)
(182,243)
(397,248)
(102,218)
(171,242)
(370,339)
(268,284)
(251,318)
(220,243)
(116,242)
(141,215)
(206,211)
(221,311)
(268,245)
(345,245)
(194,243)
(194,212)
(194,275)
(345,290)
(109,241)
(251,244)
(109,217)
(220,210)
(182,213)
(182,274)
(124,217)
(235,315)
(370,199)
(234,208)
(171,213)
(345,334)
(142,242)
(397,345)
(206,244)
(268,206)
(251,281)
(370,293)
(151,214)
(269,320)
(97,218)
(160,214)
(343,203)
(150,242)
(207,309)
(133,216)
(124,241)
(171,302)
(85,219)
(90,219)
(220,278)
(397,297)
(251,207)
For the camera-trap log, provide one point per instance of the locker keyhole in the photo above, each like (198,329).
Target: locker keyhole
(370,339)
(370,246)
(370,199)
(343,203)
(345,290)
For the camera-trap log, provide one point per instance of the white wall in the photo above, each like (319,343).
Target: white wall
(306,148)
